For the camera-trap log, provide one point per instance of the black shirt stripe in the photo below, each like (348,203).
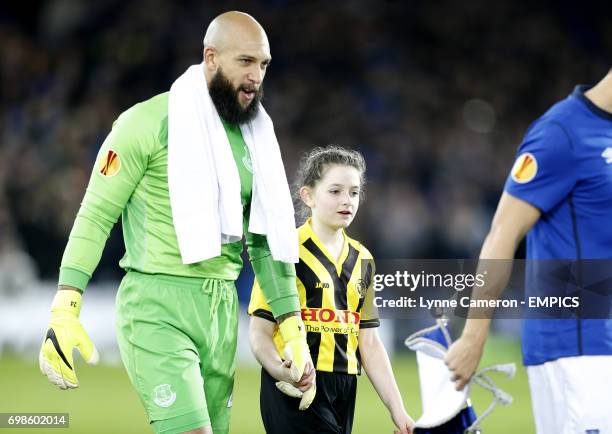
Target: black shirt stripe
(365,283)
(314,295)
(265,314)
(345,276)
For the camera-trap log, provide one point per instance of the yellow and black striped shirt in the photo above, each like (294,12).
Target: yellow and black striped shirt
(336,298)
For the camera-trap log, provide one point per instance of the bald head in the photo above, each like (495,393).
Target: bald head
(236,43)
(236,58)
(235,30)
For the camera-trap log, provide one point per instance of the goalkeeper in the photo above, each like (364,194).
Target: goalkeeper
(333,277)
(189,171)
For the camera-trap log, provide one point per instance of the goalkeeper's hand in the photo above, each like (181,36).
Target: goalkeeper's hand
(64,333)
(296,351)
(305,389)
(293,333)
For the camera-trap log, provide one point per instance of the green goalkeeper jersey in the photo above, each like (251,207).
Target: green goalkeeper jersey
(130,179)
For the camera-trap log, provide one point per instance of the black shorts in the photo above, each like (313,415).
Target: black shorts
(332,410)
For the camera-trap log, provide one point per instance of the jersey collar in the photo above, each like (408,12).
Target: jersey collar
(578,93)
(305,231)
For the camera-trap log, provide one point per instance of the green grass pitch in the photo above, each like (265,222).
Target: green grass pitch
(106,402)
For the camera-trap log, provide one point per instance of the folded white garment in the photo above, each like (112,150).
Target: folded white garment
(204,183)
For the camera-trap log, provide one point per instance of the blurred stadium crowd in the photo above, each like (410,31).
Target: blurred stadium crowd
(436,96)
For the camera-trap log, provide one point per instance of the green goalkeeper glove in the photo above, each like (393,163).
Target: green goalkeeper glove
(65,332)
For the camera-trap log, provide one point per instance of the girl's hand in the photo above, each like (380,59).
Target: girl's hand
(305,389)
(402,421)
(284,374)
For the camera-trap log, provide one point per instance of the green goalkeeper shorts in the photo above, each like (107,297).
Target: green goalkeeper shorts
(177,337)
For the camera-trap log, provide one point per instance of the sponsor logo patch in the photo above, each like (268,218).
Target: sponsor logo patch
(525,168)
(110,163)
(330,315)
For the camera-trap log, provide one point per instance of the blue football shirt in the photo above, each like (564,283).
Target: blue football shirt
(564,168)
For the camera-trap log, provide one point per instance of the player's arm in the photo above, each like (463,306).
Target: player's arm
(118,169)
(377,366)
(276,278)
(261,332)
(513,219)
(277,281)
(262,345)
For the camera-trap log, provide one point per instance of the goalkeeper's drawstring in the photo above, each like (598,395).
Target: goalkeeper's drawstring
(218,290)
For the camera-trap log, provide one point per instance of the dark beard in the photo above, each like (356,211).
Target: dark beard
(225,98)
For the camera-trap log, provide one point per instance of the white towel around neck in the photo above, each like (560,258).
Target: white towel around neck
(204,183)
